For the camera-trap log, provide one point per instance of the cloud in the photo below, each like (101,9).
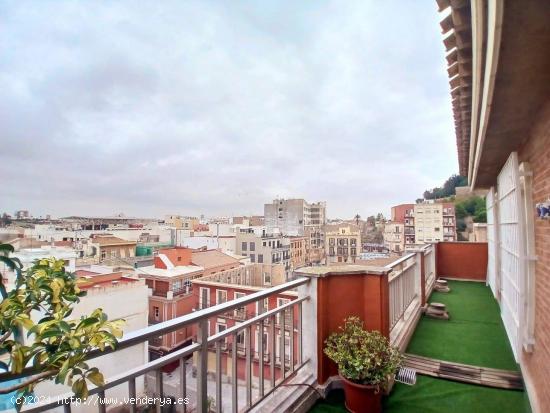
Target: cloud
(218,107)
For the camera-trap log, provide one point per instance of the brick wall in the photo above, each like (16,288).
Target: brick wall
(536,151)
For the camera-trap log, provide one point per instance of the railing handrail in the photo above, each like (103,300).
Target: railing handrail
(395,263)
(140,336)
(241,326)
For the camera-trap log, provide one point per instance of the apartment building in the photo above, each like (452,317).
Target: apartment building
(434,222)
(108,246)
(236,283)
(292,216)
(404,214)
(315,244)
(394,236)
(343,243)
(171,294)
(182,222)
(264,248)
(298,252)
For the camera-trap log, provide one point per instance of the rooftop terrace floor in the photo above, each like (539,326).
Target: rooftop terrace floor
(473,335)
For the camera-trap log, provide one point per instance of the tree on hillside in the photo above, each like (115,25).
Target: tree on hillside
(448,188)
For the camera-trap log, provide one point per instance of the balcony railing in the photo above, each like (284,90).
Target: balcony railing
(403,289)
(271,362)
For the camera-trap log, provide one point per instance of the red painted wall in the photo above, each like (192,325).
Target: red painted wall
(341,296)
(466,260)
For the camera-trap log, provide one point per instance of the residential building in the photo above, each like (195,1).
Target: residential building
(252,221)
(264,248)
(108,246)
(343,243)
(292,216)
(22,214)
(213,261)
(237,283)
(298,252)
(315,244)
(171,294)
(182,222)
(434,222)
(394,236)
(404,213)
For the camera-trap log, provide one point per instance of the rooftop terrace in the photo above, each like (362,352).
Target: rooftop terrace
(474,335)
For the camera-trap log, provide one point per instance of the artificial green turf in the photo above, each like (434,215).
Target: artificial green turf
(431,395)
(473,335)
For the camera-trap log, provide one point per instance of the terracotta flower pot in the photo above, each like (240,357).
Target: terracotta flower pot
(361,398)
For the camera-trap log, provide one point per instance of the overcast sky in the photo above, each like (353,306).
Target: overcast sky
(191,107)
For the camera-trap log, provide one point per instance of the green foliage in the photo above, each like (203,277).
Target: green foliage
(56,346)
(448,189)
(474,207)
(460,225)
(362,356)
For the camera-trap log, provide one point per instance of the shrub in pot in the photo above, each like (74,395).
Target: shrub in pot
(366,363)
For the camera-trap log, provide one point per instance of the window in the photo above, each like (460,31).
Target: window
(252,246)
(264,344)
(219,328)
(287,347)
(288,312)
(265,304)
(243,246)
(264,243)
(267,278)
(331,241)
(331,251)
(240,339)
(260,258)
(103,254)
(252,257)
(221,296)
(156,312)
(204,297)
(239,312)
(436,229)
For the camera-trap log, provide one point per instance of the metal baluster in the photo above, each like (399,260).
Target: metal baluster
(159,389)
(183,382)
(101,402)
(282,315)
(218,376)
(132,394)
(202,367)
(300,342)
(291,338)
(261,361)
(234,388)
(272,358)
(248,371)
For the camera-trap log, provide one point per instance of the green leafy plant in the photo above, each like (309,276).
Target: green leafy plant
(364,357)
(55,347)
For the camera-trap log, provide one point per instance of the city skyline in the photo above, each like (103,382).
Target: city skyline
(217,108)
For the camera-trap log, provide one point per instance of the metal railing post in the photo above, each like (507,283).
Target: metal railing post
(202,367)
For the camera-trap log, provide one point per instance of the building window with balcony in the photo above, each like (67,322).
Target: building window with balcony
(239,312)
(204,297)
(331,251)
(353,251)
(221,296)
(265,305)
(219,328)
(156,312)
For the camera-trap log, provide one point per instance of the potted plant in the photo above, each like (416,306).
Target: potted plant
(366,363)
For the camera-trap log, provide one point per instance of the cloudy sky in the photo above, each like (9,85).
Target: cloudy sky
(216,107)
